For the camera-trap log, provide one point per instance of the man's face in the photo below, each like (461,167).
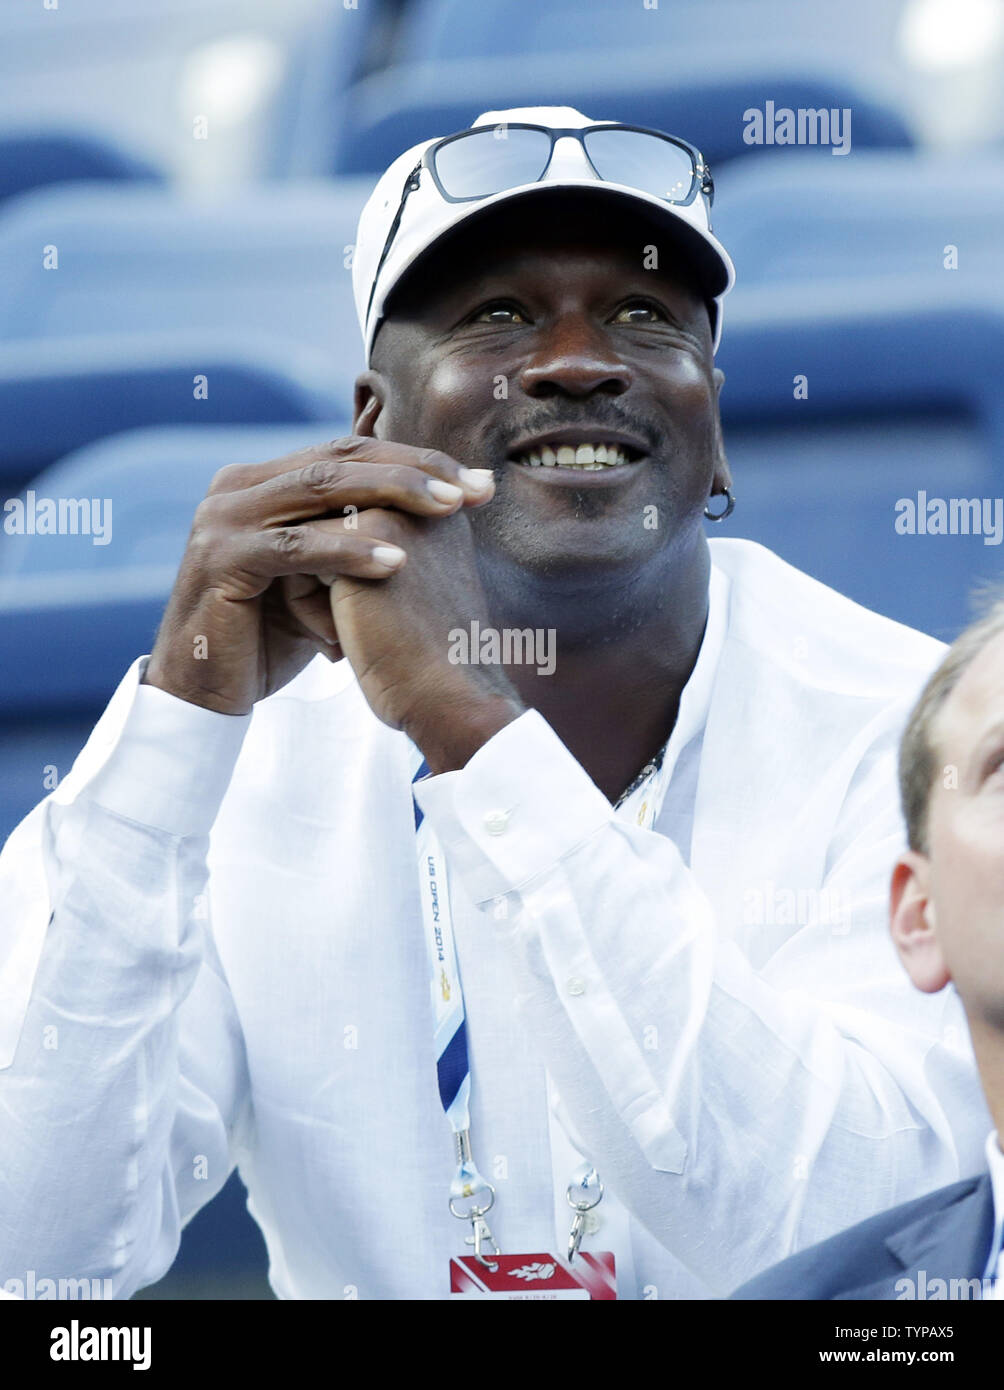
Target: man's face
(531,333)
(961,880)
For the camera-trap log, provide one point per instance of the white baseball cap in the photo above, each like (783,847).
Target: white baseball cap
(407,212)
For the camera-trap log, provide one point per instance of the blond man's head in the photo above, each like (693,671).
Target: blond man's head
(947,905)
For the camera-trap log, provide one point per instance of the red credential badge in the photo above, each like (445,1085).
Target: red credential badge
(538,1277)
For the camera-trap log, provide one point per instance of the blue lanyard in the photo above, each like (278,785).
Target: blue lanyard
(641,805)
(471,1195)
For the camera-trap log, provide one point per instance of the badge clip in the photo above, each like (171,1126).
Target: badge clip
(481,1236)
(589,1181)
(468,1183)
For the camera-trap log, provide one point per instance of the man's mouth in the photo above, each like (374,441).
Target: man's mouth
(578,447)
(584,456)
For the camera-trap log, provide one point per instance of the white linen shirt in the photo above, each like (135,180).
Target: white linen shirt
(715,1000)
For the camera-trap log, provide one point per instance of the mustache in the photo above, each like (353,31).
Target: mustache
(603,414)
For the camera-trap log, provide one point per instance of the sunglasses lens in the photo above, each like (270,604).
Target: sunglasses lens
(642,161)
(490,161)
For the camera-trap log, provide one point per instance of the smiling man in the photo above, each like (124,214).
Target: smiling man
(621,918)
(604,451)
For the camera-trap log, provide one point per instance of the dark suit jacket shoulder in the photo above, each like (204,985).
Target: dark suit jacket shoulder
(944,1235)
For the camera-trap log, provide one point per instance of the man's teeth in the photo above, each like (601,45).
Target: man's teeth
(591,456)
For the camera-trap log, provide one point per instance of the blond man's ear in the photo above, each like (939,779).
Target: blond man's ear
(913,923)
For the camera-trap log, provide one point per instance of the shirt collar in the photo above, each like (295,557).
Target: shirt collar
(695,698)
(995,1162)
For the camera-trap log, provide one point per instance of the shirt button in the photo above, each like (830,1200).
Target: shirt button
(592,1223)
(496,822)
(576,985)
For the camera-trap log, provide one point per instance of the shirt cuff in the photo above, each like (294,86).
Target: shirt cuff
(520,805)
(169,765)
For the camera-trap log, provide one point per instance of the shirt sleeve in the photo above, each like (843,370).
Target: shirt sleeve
(739,1112)
(123,1082)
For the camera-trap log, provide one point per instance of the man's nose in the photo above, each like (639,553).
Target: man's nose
(575,358)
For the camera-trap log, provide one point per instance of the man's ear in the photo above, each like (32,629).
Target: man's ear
(723,474)
(368,400)
(913,923)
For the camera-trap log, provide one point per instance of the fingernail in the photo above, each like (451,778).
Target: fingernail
(388,555)
(444,492)
(479,478)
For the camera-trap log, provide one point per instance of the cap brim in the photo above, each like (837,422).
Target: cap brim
(713,271)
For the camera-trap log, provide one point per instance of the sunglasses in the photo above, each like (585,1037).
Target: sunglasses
(476,164)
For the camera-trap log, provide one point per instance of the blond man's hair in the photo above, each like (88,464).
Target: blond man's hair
(917,754)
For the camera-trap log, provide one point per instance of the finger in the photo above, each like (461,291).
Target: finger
(341,487)
(307,600)
(359,449)
(308,549)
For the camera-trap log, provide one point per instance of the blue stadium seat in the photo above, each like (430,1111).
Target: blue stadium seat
(73,614)
(393,109)
(35,755)
(664,66)
(903,398)
(879,213)
(32,158)
(865,346)
(825,498)
(155,479)
(862,31)
(334,52)
(57,394)
(274,262)
(135,75)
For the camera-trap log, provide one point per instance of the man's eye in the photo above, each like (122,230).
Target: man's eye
(499,313)
(639,313)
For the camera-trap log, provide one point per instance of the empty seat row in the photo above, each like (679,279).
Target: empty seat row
(57,394)
(341,107)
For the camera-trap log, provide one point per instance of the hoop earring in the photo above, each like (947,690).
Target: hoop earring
(720,516)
